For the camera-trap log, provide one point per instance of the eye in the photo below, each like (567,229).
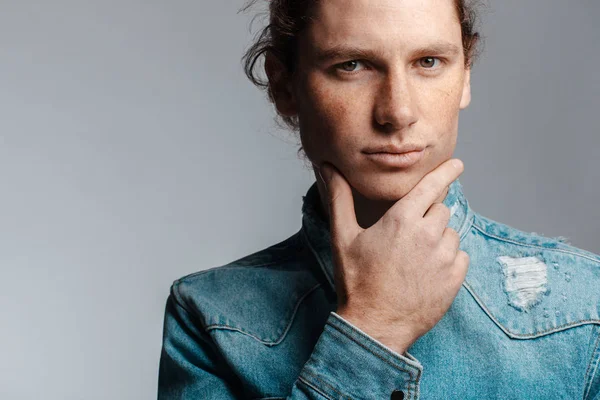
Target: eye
(428,62)
(350,64)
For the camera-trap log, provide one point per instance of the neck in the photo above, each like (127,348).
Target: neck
(368,211)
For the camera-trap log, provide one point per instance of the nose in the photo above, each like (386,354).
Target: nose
(395,108)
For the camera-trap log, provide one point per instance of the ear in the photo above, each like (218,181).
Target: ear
(465,100)
(280,86)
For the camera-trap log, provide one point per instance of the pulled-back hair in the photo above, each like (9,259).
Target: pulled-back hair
(288,18)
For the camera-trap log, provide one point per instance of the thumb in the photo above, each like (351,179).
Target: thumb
(342,215)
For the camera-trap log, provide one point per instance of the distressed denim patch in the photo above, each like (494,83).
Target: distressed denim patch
(525,281)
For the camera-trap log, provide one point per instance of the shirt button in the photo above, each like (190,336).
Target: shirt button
(397,395)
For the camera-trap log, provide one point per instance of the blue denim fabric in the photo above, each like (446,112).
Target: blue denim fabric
(265,327)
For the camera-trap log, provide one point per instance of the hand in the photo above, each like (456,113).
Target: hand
(396,279)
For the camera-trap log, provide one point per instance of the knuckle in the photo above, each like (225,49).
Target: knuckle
(430,233)
(452,234)
(460,265)
(448,254)
(446,211)
(443,210)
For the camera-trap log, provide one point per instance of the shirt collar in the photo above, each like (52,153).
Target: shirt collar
(315,230)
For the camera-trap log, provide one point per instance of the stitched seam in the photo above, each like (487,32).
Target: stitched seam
(413,388)
(176,284)
(467,229)
(291,318)
(322,382)
(374,353)
(313,387)
(378,345)
(592,361)
(229,328)
(520,335)
(289,324)
(179,300)
(574,253)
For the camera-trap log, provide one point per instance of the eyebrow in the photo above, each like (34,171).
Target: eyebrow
(352,52)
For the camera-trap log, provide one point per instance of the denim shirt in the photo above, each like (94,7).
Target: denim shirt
(525,324)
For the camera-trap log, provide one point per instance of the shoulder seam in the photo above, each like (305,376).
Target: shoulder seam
(233,265)
(177,297)
(574,253)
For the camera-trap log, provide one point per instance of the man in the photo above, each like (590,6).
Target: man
(394,287)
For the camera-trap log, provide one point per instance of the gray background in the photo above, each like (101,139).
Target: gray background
(133,151)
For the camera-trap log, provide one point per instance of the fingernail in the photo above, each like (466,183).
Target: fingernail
(457,163)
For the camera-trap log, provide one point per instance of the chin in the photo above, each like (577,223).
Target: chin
(389,186)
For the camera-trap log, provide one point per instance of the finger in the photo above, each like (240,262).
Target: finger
(342,216)
(462,261)
(430,187)
(438,215)
(451,239)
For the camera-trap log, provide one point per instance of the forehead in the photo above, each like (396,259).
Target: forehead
(389,24)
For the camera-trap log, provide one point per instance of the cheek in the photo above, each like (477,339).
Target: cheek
(440,112)
(327,117)
(443,107)
(329,106)
(445,101)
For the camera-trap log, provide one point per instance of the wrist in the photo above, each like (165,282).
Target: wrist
(391,338)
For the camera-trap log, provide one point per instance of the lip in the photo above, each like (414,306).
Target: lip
(396,160)
(393,149)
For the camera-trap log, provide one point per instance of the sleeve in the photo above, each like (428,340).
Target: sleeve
(345,363)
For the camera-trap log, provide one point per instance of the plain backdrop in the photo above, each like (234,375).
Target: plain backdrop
(134,151)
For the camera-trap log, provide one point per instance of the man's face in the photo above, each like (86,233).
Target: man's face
(406,88)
